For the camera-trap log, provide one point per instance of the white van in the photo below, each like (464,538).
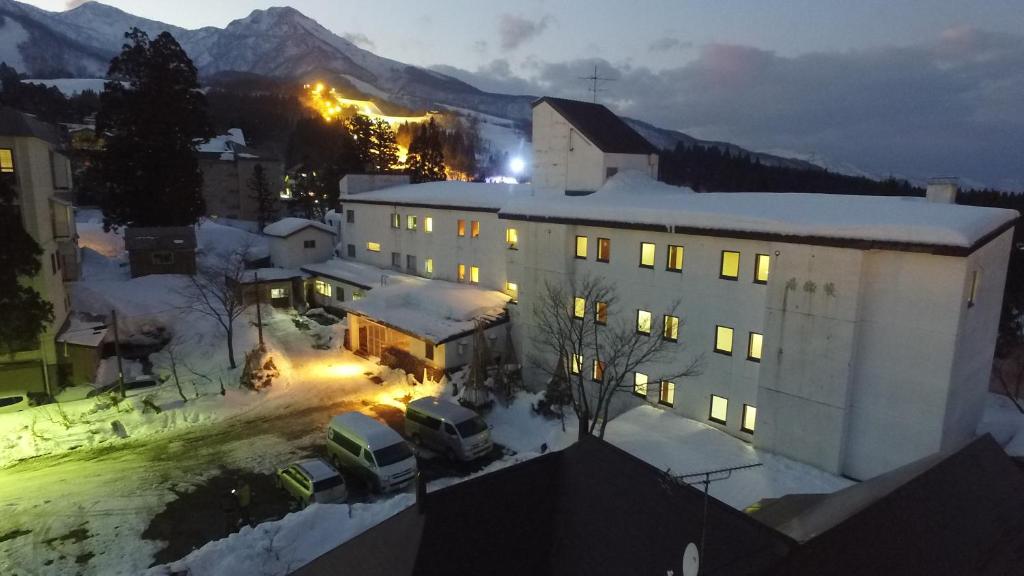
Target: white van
(455,431)
(371,450)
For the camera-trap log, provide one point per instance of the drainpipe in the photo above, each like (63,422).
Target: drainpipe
(46,372)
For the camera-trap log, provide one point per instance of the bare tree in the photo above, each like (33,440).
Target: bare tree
(173,351)
(216,291)
(595,350)
(1009,371)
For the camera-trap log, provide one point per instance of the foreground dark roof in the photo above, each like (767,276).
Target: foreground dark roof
(15,123)
(601,126)
(160,238)
(962,514)
(589,509)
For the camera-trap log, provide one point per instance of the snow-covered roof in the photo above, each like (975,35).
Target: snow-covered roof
(287,226)
(375,434)
(223,142)
(317,469)
(449,193)
(271,275)
(90,334)
(358,274)
(632,198)
(434,310)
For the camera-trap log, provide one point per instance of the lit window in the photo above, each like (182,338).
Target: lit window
(604,250)
(754,347)
(410,222)
(579,307)
(278,293)
(598,371)
(474,274)
(973,295)
(730,265)
(581,247)
(6,160)
(646,255)
(675,259)
(601,312)
(670,331)
(667,393)
(640,384)
(762,263)
(474,229)
(749,419)
(322,288)
(357,295)
(396,220)
(512,238)
(576,364)
(719,409)
(723,340)
(373,246)
(643,322)
(428,224)
(512,289)
(428,265)
(462,227)
(462,272)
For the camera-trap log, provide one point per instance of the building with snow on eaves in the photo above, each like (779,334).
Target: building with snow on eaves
(228,164)
(854,333)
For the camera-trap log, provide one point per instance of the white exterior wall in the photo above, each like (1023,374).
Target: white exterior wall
(563,159)
(443,244)
(646,164)
(289,252)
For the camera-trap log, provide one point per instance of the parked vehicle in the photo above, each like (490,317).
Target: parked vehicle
(370,450)
(14,402)
(451,429)
(312,480)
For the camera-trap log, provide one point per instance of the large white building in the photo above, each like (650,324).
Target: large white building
(853,333)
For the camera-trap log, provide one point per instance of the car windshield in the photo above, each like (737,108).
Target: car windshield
(391,454)
(328,483)
(471,427)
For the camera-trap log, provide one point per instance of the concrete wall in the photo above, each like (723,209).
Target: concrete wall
(290,252)
(226,185)
(563,159)
(647,164)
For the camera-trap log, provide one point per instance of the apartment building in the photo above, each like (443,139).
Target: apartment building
(31,159)
(852,333)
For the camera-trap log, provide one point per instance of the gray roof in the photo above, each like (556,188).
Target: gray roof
(15,123)
(160,238)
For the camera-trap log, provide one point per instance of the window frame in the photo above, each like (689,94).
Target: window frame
(732,340)
(428,266)
(428,224)
(474,274)
(638,386)
(599,319)
(667,385)
(511,238)
(461,272)
(750,346)
(12,169)
(654,255)
(307,244)
(650,322)
(157,258)
(743,419)
(586,247)
(972,293)
(474,228)
(373,246)
(664,328)
(396,221)
(282,291)
(608,250)
(579,308)
(575,364)
(350,216)
(668,258)
(721,266)
(757,268)
(411,222)
(711,410)
(350,250)
(323,288)
(597,368)
(460,228)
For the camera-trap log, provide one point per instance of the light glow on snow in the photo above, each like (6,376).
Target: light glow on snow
(517,165)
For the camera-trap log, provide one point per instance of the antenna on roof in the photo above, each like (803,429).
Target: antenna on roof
(594,79)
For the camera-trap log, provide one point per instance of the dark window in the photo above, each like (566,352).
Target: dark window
(471,427)
(410,263)
(450,430)
(368,457)
(53,262)
(339,294)
(610,171)
(345,442)
(350,216)
(162,258)
(396,259)
(328,483)
(428,350)
(309,243)
(396,220)
(351,250)
(422,419)
(391,454)
(10,400)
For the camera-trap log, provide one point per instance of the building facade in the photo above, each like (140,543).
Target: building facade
(30,157)
(852,333)
(228,165)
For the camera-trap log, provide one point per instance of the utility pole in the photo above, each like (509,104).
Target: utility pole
(259,314)
(117,352)
(594,79)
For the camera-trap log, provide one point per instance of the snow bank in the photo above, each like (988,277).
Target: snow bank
(288,226)
(1004,422)
(447,193)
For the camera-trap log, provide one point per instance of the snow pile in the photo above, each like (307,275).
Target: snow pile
(287,226)
(221,241)
(685,446)
(433,309)
(359,274)
(447,193)
(635,198)
(1005,423)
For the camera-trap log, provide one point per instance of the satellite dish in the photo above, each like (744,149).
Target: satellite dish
(691,560)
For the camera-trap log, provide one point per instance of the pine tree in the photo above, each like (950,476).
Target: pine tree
(26,313)
(266,201)
(361,128)
(385,147)
(426,156)
(154,113)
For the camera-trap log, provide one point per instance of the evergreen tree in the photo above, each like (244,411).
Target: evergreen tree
(154,113)
(385,147)
(266,200)
(26,313)
(362,129)
(426,156)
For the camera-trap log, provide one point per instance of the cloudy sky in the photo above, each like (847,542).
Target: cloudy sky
(910,87)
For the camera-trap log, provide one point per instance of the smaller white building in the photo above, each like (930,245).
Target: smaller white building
(295,242)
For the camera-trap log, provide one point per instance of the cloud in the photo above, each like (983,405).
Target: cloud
(480,47)
(515,31)
(72,4)
(950,106)
(668,44)
(360,40)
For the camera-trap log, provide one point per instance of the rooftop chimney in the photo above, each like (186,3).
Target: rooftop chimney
(942,190)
